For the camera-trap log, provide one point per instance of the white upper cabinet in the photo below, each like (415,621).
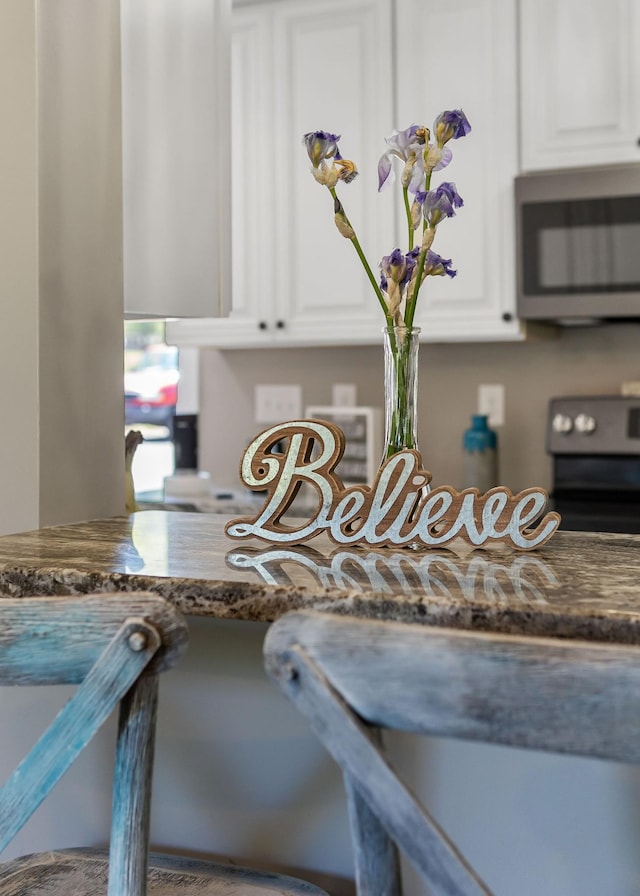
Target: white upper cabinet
(176,148)
(462,54)
(580,77)
(300,67)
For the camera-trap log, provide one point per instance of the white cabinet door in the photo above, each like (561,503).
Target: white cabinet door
(333,72)
(580,77)
(462,54)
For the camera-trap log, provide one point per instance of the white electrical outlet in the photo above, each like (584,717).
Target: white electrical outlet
(491,402)
(278,404)
(344,395)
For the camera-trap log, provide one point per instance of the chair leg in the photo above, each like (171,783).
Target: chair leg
(132,790)
(377,863)
(350,742)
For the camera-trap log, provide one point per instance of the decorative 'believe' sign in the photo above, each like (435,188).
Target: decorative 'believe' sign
(399,508)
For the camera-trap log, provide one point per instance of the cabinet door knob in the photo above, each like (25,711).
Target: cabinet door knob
(280,324)
(262,325)
(507,317)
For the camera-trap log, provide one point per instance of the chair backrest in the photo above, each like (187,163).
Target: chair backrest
(112,646)
(544,694)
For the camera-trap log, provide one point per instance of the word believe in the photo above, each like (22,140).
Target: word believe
(399,508)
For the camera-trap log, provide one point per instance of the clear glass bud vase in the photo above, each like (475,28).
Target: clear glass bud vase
(400,389)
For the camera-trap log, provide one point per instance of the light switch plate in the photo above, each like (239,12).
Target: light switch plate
(278,404)
(491,402)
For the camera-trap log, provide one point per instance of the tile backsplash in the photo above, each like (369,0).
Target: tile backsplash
(576,361)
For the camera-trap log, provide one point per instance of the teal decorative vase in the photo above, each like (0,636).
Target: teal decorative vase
(480,455)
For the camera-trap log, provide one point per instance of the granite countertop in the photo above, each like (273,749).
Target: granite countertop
(577,585)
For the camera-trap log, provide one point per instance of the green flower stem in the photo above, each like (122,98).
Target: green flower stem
(407,209)
(410,308)
(365,263)
(412,301)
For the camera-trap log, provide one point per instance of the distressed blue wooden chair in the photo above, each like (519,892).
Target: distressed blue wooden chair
(353,678)
(113,647)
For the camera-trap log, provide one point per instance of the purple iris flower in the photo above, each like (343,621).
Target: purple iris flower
(404,145)
(450,125)
(436,266)
(439,203)
(448,189)
(321,145)
(398,268)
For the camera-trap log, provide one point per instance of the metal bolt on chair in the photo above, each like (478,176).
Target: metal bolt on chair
(354,677)
(113,646)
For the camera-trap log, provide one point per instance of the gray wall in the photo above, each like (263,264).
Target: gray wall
(19,269)
(572,361)
(62,452)
(80,265)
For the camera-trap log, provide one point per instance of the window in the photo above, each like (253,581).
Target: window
(151,378)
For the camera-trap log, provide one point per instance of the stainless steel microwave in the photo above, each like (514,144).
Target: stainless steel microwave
(578,244)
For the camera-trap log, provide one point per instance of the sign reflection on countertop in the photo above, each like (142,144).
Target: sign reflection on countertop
(434,574)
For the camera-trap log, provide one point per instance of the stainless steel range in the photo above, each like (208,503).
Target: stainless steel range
(595,447)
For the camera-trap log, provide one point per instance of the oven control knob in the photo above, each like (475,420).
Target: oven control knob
(562,423)
(585,424)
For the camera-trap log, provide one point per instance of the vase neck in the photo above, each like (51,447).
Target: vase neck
(400,389)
